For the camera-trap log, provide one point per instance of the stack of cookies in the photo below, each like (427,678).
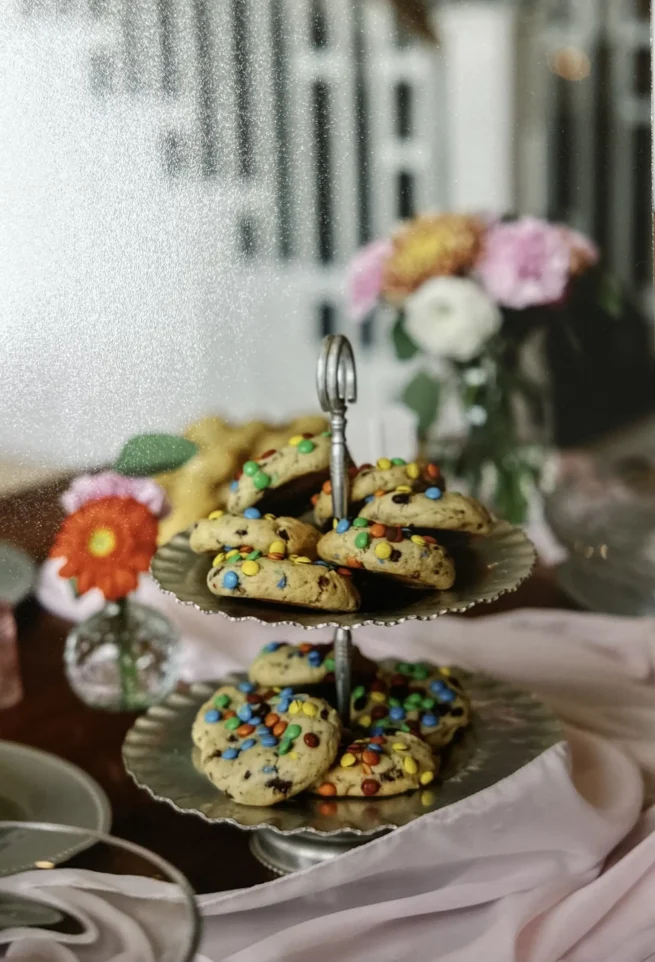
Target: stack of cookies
(266,546)
(203,483)
(269,738)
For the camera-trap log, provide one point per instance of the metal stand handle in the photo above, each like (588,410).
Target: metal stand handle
(336,383)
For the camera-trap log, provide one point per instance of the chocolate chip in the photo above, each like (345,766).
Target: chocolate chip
(324,713)
(391,776)
(395,555)
(323,581)
(279,785)
(246,775)
(379,711)
(457,712)
(216,754)
(243,532)
(232,738)
(283,534)
(360,703)
(400,499)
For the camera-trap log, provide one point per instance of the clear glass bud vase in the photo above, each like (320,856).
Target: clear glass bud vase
(123,658)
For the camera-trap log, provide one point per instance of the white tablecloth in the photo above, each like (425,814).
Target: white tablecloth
(556,862)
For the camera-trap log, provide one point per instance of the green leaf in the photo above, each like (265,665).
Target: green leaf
(148,454)
(404,345)
(509,499)
(422,395)
(610,296)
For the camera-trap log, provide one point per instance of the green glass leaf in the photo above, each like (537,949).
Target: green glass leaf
(402,342)
(148,454)
(422,395)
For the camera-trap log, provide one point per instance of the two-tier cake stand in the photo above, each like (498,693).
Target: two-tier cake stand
(509,727)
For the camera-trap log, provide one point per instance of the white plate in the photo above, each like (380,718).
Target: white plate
(38,787)
(17,574)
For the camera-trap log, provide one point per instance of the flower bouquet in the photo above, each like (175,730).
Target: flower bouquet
(468,294)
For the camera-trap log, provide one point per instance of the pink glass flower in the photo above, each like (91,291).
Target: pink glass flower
(364,281)
(91,487)
(525,263)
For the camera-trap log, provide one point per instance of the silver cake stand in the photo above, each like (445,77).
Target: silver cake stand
(286,837)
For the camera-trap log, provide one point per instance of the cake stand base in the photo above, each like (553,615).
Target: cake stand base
(284,854)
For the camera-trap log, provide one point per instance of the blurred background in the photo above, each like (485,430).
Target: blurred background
(183,183)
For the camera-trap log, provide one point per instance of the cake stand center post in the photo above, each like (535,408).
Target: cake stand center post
(336,383)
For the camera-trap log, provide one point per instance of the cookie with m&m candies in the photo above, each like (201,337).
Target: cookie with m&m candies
(268,534)
(273,749)
(285,581)
(417,698)
(223,705)
(308,663)
(381,549)
(282,481)
(378,766)
(431,510)
(388,474)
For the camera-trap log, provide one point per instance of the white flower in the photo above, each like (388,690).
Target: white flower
(451,317)
(475,376)
(477,415)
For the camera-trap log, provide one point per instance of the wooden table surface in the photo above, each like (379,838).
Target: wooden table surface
(51,718)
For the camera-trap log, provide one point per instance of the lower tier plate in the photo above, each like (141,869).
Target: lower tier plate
(509,729)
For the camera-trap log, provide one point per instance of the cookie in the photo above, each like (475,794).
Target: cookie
(284,478)
(368,480)
(280,663)
(208,432)
(270,535)
(194,489)
(380,765)
(271,750)
(412,559)
(420,699)
(277,437)
(297,581)
(434,509)
(227,698)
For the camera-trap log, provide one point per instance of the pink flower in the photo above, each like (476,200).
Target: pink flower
(365,279)
(91,487)
(583,253)
(525,263)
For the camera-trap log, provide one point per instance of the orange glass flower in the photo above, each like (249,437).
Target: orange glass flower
(430,247)
(106,543)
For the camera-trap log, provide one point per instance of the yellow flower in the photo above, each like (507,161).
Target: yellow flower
(430,246)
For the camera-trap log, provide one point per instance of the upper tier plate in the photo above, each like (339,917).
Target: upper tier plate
(502,561)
